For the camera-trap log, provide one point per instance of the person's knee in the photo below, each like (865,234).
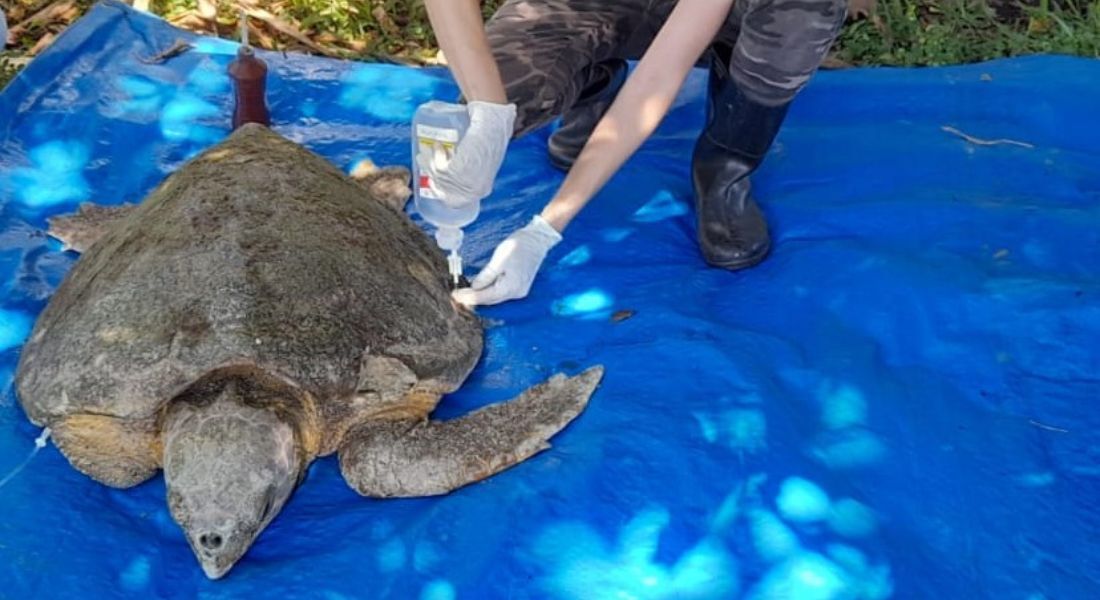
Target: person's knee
(828,14)
(781,44)
(539,46)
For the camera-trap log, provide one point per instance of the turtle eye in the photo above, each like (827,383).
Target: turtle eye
(268,504)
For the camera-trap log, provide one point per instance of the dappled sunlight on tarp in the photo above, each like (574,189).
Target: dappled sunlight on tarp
(898,403)
(663,206)
(385,92)
(188,111)
(14,327)
(583,564)
(590,304)
(744,430)
(54,176)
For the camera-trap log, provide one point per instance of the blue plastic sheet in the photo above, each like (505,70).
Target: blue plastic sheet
(901,401)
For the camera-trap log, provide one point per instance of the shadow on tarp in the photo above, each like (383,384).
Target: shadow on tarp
(900,402)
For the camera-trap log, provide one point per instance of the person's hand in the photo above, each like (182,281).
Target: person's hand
(469,174)
(512,269)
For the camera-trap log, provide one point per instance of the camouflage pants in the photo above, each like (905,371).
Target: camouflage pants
(545,48)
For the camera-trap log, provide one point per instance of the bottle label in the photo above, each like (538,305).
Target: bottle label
(441,134)
(435,146)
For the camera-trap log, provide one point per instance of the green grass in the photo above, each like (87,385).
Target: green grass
(351,28)
(7,70)
(921,32)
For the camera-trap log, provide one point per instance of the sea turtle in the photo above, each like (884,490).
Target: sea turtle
(258,310)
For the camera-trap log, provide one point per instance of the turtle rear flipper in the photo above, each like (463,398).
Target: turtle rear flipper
(79,230)
(408,458)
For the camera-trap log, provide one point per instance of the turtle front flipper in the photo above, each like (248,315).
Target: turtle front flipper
(416,458)
(388,185)
(79,230)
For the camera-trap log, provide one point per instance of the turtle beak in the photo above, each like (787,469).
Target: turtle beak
(216,551)
(212,570)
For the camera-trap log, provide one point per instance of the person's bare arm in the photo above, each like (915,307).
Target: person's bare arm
(641,104)
(470,173)
(458,26)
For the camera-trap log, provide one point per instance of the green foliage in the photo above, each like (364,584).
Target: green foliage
(923,32)
(391,24)
(361,28)
(8,69)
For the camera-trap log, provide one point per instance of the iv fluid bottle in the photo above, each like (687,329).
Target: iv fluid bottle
(437,129)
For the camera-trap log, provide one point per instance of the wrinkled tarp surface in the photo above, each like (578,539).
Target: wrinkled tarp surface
(901,402)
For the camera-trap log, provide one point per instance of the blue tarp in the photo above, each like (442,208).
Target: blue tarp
(901,402)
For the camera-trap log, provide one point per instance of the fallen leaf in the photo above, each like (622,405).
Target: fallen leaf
(860,8)
(622,315)
(208,10)
(42,43)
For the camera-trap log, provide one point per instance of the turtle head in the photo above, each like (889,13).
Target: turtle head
(229,467)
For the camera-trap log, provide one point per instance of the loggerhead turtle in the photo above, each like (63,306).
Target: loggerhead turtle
(258,310)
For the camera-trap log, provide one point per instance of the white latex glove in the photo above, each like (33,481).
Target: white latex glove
(512,269)
(469,175)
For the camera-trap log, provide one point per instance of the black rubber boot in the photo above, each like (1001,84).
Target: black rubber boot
(732,231)
(605,81)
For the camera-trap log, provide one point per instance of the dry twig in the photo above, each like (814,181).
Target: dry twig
(982,142)
(49,14)
(286,29)
(1048,427)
